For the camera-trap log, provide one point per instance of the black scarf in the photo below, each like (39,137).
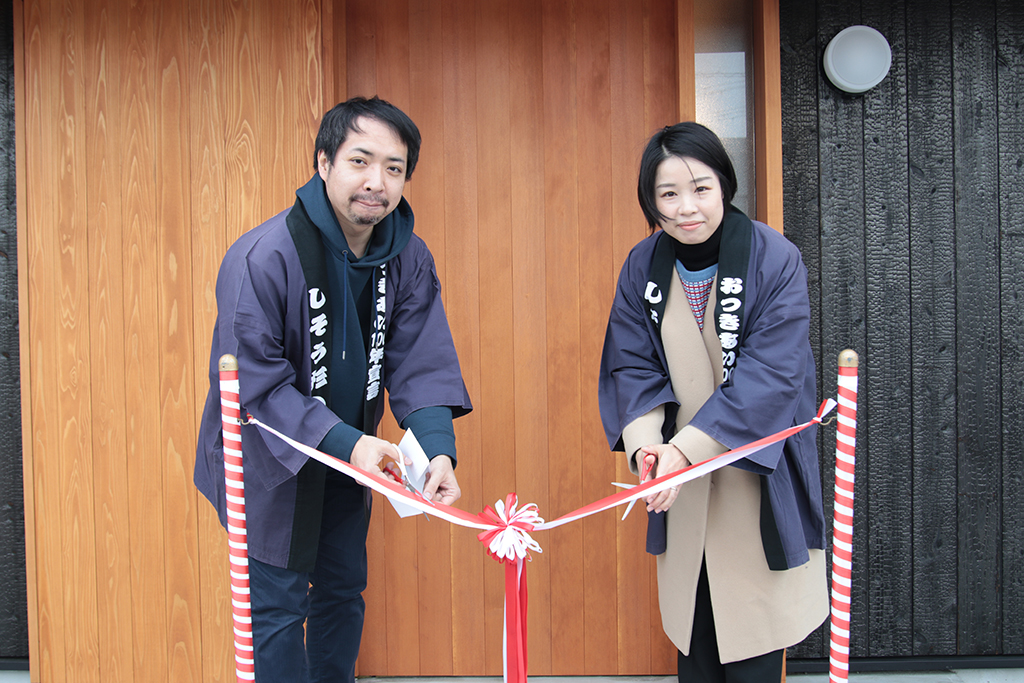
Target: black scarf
(733,262)
(310,479)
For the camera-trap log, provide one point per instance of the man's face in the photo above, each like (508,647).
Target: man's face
(366,178)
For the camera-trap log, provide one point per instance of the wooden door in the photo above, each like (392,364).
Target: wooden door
(533,116)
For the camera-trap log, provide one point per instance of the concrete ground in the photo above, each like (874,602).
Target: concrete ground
(963,676)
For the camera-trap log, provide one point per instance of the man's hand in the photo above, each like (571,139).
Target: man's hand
(441,486)
(369,451)
(669,459)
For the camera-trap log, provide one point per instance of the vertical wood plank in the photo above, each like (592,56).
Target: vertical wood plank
(597,287)
(887,361)
(104,28)
(686,69)
(243,170)
(334,57)
(42,301)
(462,268)
(291,103)
(391,42)
(979,426)
(555,637)
(529,307)
(496,223)
(72,368)
(424,34)
(933,316)
(634,591)
(1009,20)
(177,436)
(768,112)
(361,51)
(207,25)
(142,323)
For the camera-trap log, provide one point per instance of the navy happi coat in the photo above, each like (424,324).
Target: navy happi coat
(263,320)
(771,388)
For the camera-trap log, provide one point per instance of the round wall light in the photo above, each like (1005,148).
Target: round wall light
(857,59)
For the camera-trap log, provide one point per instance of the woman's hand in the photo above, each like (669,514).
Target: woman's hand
(667,458)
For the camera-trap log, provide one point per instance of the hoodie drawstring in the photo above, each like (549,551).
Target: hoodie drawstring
(344,310)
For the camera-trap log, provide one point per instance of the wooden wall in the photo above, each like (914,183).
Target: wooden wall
(906,203)
(151,134)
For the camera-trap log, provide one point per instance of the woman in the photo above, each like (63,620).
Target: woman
(707,349)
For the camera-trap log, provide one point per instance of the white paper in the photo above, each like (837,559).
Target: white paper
(417,471)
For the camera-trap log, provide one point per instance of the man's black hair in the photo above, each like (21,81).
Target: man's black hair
(686,139)
(343,117)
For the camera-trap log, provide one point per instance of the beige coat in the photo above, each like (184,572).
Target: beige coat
(756,610)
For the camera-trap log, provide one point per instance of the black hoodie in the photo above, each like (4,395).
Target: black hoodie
(351,277)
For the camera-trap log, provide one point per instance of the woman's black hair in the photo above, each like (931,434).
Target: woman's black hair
(343,117)
(686,139)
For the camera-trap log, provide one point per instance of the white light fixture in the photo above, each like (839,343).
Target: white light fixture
(857,59)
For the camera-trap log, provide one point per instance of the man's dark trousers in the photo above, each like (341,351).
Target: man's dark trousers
(328,599)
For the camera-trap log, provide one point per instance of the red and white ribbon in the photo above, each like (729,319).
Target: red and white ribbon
(842,526)
(505,527)
(238,547)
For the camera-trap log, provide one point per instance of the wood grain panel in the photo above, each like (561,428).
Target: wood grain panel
(291,100)
(104,28)
(41,293)
(460,153)
(243,169)
(361,49)
(635,591)
(768,112)
(207,22)
(597,287)
(177,438)
(686,69)
(72,340)
(142,322)
(555,636)
(497,220)
(529,283)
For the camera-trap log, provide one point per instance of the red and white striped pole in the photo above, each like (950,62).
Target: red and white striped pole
(238,546)
(842,526)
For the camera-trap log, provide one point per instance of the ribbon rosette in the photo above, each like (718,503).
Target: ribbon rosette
(508,540)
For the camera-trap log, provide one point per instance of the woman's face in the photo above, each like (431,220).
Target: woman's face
(689,195)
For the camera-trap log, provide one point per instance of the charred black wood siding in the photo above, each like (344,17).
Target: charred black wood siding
(906,203)
(13,605)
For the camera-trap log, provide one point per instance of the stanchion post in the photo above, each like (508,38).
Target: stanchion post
(842,526)
(238,547)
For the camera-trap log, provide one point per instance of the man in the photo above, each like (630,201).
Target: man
(325,305)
